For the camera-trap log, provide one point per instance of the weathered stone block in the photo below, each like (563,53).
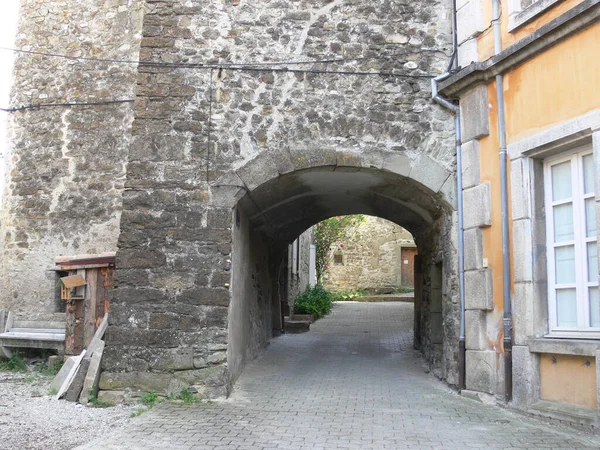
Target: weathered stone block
(526,377)
(470,164)
(481,371)
(468,53)
(143,381)
(473,239)
(477,206)
(520,188)
(175,359)
(112,397)
(428,172)
(523,250)
(470,19)
(205,296)
(475,330)
(479,290)
(475,122)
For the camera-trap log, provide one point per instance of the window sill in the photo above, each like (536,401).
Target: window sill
(561,346)
(521,18)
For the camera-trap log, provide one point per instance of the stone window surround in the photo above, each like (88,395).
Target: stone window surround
(529,234)
(519,16)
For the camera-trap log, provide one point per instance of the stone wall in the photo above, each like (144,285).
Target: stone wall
(371,257)
(65,167)
(198,154)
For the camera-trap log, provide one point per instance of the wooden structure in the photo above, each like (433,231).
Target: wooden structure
(86,286)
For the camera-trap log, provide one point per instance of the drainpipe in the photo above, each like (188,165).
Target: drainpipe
(504,203)
(459,199)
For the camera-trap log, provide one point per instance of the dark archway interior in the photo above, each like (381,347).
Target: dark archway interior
(284,207)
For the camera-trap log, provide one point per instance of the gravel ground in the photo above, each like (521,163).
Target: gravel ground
(32,419)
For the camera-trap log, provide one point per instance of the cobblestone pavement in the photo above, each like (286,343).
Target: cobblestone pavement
(352,382)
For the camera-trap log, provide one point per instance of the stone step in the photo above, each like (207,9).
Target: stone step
(296,326)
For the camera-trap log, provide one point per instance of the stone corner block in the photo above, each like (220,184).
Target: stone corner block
(470,164)
(477,203)
(481,371)
(479,292)
(473,249)
(258,171)
(475,330)
(469,18)
(474,118)
(468,53)
(526,380)
(428,172)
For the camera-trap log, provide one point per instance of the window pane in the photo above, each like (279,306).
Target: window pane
(590,217)
(588,174)
(565,264)
(566,308)
(563,222)
(594,307)
(592,256)
(561,181)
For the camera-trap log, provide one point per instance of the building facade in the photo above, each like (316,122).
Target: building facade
(376,256)
(528,95)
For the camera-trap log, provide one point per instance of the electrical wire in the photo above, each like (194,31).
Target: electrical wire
(485,30)
(54,105)
(238,66)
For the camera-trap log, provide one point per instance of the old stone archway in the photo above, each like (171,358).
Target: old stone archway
(276,211)
(235,103)
(277,142)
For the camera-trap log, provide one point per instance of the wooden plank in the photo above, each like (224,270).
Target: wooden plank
(97,341)
(73,281)
(92,378)
(78,344)
(2,320)
(70,328)
(70,376)
(74,390)
(90,306)
(63,373)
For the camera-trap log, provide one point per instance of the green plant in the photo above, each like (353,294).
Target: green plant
(139,412)
(347,295)
(187,396)
(50,369)
(94,402)
(315,301)
(150,399)
(328,232)
(53,391)
(14,364)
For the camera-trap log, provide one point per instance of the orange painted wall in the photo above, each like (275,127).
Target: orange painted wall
(554,87)
(485,43)
(558,85)
(569,379)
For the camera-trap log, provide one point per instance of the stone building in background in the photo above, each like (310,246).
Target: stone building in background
(377,255)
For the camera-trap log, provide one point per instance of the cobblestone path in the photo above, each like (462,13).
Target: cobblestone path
(352,382)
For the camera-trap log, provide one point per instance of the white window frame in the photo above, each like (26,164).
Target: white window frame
(519,16)
(580,242)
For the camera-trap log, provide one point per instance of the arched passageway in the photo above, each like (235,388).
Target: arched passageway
(274,213)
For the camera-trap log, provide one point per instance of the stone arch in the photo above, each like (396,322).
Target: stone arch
(276,197)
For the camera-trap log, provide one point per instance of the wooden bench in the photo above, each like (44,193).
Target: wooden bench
(31,334)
